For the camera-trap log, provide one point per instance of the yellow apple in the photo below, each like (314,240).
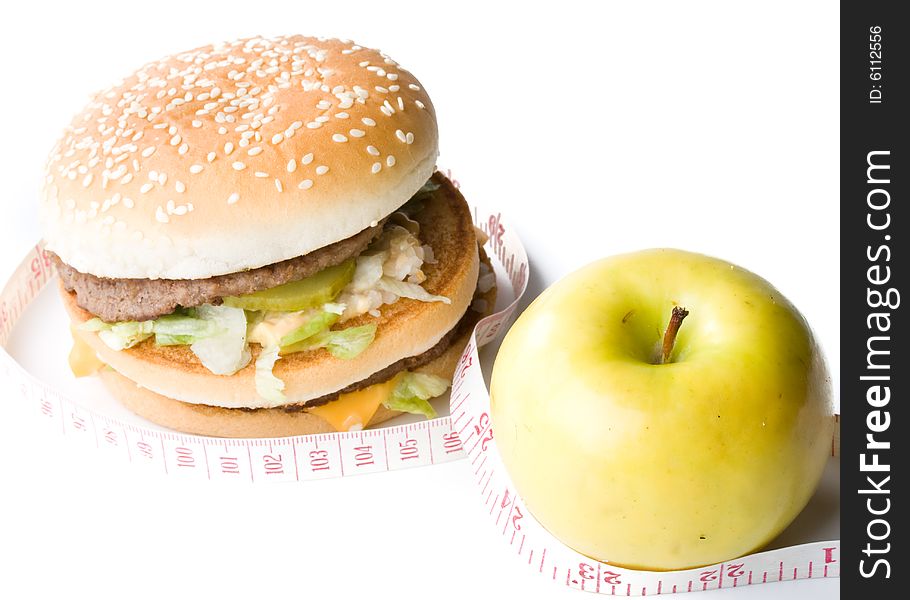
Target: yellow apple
(662,462)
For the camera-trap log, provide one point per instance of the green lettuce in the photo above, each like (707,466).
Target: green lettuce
(225,352)
(413,391)
(343,343)
(319,321)
(120,335)
(183,328)
(268,386)
(409,290)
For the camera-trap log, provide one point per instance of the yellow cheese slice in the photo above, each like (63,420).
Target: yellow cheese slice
(83,360)
(355,409)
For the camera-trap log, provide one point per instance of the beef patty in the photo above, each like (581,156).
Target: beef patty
(143,299)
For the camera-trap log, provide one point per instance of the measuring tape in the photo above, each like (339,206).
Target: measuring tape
(300,458)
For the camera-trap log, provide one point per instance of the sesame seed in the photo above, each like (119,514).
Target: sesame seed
(246,113)
(238,166)
(233,198)
(128,202)
(376,167)
(322,170)
(160,215)
(146,187)
(180,210)
(305,184)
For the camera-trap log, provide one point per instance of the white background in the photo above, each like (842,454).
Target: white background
(706,126)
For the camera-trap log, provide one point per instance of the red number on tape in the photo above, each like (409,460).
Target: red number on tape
(185,457)
(408,449)
(319,460)
(451,442)
(229,465)
(272,464)
(364,455)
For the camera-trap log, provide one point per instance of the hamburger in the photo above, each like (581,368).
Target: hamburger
(252,240)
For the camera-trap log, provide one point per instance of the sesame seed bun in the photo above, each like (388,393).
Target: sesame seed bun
(234,156)
(405,328)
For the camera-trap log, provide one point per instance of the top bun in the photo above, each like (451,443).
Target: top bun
(234,156)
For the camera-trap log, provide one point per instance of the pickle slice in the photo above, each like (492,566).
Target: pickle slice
(311,292)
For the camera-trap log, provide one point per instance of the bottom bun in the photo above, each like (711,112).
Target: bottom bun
(238,422)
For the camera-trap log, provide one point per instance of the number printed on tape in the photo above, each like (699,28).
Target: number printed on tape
(273,461)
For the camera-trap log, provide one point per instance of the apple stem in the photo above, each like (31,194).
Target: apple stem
(676,319)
